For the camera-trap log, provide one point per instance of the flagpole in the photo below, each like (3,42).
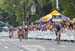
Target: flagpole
(57,4)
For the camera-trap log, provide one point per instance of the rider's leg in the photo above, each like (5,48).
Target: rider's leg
(58,37)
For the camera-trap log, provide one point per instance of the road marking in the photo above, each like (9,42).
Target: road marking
(62,46)
(2,39)
(34,47)
(21,50)
(6,47)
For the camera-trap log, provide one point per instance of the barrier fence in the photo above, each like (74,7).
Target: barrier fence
(66,35)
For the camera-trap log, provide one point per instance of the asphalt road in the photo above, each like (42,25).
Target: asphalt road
(14,44)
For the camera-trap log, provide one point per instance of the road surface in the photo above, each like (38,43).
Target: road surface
(14,44)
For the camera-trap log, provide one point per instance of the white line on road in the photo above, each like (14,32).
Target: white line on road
(34,47)
(6,47)
(63,46)
(2,39)
(21,50)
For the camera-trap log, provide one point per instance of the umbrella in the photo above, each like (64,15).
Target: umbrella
(63,17)
(38,21)
(46,18)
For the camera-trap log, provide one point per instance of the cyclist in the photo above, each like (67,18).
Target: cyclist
(58,27)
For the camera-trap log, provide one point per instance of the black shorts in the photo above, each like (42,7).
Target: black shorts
(58,29)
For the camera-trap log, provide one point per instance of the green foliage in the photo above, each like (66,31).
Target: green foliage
(43,7)
(68,7)
(53,2)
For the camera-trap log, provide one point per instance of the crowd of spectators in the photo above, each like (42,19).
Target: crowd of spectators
(65,25)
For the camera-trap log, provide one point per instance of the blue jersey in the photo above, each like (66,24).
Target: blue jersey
(57,26)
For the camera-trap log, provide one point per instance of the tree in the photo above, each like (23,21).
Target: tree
(16,10)
(67,6)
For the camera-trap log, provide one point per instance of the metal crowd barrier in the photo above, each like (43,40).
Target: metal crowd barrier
(66,35)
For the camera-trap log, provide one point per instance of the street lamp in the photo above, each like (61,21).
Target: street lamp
(24,13)
(33,8)
(27,18)
(14,16)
